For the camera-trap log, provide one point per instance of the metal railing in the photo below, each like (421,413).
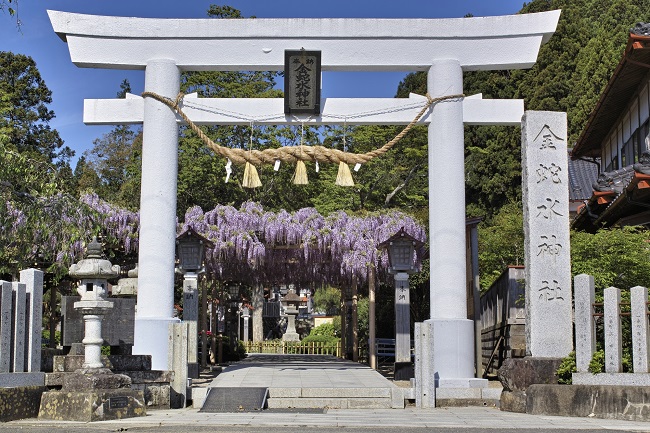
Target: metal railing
(294,348)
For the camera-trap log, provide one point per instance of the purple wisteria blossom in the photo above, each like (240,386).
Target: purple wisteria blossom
(253,245)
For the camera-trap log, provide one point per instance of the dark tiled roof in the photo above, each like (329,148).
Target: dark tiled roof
(625,81)
(619,196)
(582,175)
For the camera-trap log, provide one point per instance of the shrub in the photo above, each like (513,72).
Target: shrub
(325,329)
(45,337)
(597,363)
(328,339)
(565,369)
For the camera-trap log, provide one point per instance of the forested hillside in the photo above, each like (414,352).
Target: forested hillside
(571,72)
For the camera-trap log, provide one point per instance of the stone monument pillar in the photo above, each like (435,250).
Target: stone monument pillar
(549,314)
(549,321)
(246,314)
(93,393)
(191,316)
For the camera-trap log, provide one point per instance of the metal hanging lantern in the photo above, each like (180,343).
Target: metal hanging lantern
(190,249)
(233,291)
(401,247)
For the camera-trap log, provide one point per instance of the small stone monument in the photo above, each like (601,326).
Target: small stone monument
(127,286)
(291,301)
(93,392)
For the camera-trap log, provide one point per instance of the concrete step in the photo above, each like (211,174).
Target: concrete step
(336,398)
(329,393)
(331,403)
(463,397)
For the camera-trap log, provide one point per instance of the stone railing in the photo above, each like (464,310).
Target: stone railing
(21,310)
(585,325)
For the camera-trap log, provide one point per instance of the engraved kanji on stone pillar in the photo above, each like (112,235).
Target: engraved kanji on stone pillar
(549,330)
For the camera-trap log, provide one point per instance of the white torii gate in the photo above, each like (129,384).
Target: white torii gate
(443,47)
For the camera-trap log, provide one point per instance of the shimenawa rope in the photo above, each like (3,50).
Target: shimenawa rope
(293,153)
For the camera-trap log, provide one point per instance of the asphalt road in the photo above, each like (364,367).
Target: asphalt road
(106,428)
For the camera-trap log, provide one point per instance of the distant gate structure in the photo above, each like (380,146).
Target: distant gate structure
(443,47)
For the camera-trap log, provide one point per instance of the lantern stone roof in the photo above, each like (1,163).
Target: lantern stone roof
(190,232)
(94,265)
(292,297)
(401,235)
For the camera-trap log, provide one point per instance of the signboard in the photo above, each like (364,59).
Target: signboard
(302,71)
(118,402)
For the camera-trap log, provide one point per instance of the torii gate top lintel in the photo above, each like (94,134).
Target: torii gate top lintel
(482,43)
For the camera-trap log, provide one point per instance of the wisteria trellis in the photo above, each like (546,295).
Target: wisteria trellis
(251,244)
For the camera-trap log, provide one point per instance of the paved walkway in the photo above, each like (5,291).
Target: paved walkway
(299,371)
(470,418)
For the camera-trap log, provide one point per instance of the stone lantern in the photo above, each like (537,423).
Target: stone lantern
(401,247)
(190,250)
(94,272)
(290,302)
(93,392)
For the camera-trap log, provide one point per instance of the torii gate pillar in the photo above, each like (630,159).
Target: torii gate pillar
(453,351)
(157,215)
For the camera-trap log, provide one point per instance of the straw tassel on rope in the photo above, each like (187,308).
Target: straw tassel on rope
(251,178)
(300,176)
(344,176)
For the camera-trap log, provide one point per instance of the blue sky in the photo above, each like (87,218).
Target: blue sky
(71,85)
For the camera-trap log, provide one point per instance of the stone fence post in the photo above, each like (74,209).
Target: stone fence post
(640,334)
(613,336)
(583,285)
(21,315)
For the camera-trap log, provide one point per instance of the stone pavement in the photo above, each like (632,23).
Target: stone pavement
(308,381)
(463,418)
(298,371)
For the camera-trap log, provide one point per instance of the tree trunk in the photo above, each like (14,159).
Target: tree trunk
(401,186)
(213,313)
(355,322)
(204,324)
(257,299)
(344,315)
(372,356)
(53,315)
